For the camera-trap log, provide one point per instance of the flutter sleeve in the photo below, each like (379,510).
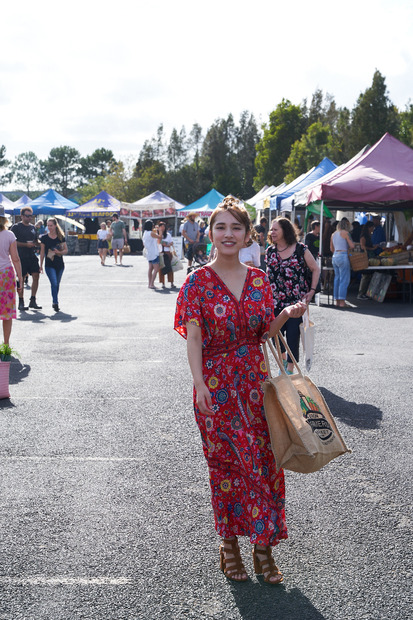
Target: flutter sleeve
(267,309)
(188,307)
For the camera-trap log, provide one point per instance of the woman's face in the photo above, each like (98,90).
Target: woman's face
(51,226)
(276,232)
(161,228)
(103,226)
(228,234)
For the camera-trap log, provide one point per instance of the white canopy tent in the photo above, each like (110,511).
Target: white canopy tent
(154,206)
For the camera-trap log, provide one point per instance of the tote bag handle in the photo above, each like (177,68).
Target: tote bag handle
(306,317)
(277,355)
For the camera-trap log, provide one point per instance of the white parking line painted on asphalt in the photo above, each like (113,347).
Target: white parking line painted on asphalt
(70,459)
(87,398)
(41,580)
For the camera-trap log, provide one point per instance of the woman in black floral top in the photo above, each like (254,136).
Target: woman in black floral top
(287,260)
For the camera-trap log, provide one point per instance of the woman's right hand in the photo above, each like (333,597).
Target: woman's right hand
(296,310)
(203,399)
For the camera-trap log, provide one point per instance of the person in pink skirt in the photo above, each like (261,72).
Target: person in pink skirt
(9,258)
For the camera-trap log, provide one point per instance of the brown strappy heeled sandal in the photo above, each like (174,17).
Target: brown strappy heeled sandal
(232,567)
(266,567)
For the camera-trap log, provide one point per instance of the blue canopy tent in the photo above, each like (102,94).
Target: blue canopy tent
(102,205)
(51,203)
(284,200)
(204,206)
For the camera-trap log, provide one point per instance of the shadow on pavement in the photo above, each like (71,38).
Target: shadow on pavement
(39,317)
(63,317)
(33,317)
(362,416)
(18,371)
(5,403)
(264,602)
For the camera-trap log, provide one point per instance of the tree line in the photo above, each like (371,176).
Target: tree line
(234,157)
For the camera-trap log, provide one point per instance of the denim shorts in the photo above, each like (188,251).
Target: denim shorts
(155,261)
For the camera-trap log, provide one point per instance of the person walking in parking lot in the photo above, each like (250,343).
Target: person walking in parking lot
(190,233)
(27,242)
(52,248)
(119,238)
(9,257)
(225,310)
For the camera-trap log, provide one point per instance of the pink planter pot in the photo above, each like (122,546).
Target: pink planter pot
(4,379)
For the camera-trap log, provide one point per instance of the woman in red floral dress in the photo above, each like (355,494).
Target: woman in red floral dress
(225,310)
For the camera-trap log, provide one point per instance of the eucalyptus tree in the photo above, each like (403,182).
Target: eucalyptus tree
(98,164)
(61,171)
(247,138)
(219,158)
(315,144)
(285,126)
(4,163)
(406,125)
(26,170)
(373,115)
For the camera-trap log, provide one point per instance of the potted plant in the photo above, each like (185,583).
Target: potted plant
(6,353)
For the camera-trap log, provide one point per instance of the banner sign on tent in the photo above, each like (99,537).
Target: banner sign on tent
(146,214)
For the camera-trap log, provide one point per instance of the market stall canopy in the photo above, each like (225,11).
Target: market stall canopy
(284,200)
(23,201)
(102,205)
(262,194)
(7,204)
(155,205)
(68,220)
(261,200)
(205,205)
(51,203)
(381,176)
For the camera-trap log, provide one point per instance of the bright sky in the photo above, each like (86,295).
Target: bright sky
(92,74)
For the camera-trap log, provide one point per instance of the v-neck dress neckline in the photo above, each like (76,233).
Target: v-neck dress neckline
(228,289)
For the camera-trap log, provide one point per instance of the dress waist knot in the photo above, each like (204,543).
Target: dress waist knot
(240,342)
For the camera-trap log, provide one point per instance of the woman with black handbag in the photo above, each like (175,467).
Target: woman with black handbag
(288,261)
(167,246)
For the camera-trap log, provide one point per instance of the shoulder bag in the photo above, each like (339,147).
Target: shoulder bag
(176,263)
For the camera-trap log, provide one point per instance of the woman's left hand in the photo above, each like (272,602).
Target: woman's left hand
(308,297)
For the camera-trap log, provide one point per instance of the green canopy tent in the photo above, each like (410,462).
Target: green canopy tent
(315,209)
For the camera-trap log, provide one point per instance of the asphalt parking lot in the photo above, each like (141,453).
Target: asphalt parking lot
(104,496)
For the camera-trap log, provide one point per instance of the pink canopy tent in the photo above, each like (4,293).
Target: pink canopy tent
(381,176)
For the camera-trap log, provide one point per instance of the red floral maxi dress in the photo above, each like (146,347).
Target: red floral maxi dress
(247,494)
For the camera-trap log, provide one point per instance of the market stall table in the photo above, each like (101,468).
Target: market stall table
(404,277)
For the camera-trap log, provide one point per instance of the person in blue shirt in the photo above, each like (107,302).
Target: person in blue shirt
(378,235)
